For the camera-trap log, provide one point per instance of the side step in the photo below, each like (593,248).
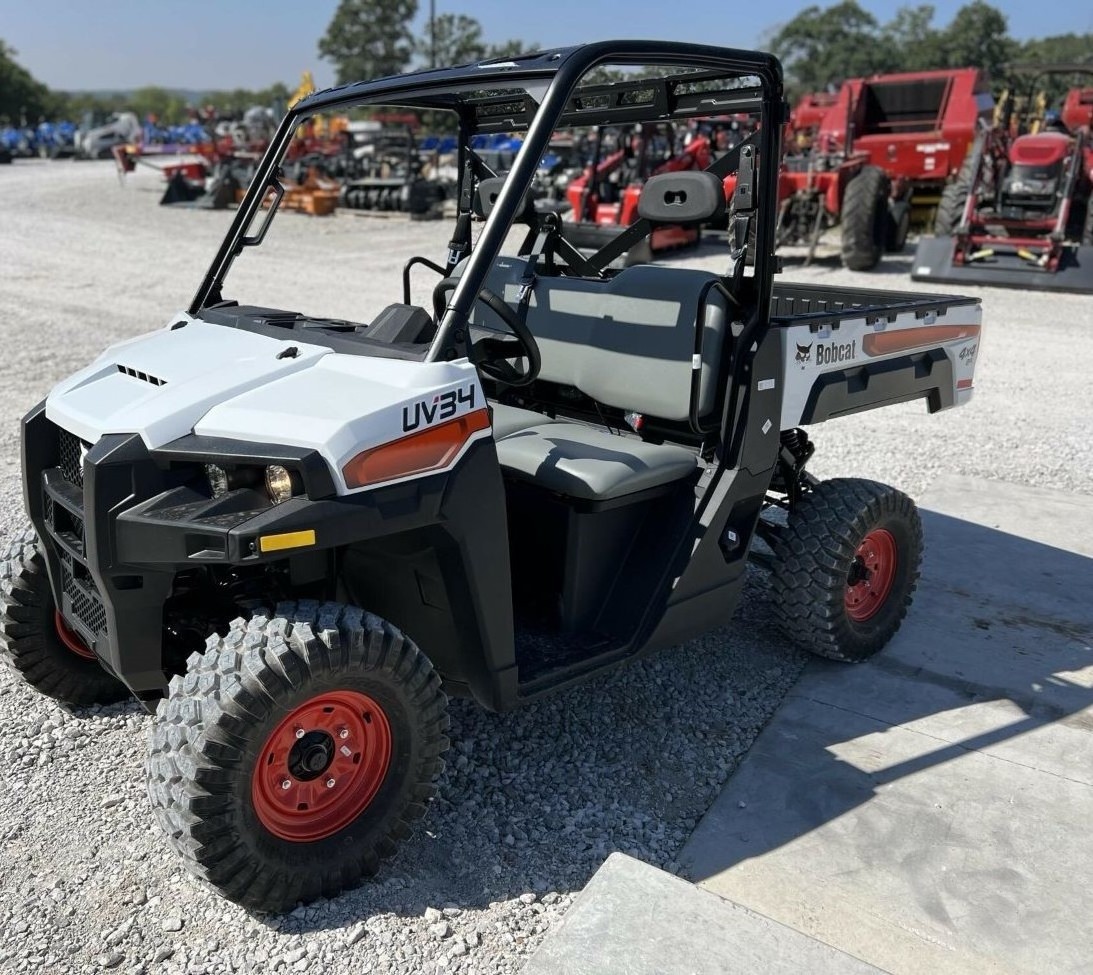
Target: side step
(637,919)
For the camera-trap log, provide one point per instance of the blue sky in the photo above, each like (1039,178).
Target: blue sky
(204,44)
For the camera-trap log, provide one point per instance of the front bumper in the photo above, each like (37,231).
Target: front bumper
(118,523)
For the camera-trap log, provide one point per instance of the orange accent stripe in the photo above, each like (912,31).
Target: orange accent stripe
(901,340)
(963,384)
(426,450)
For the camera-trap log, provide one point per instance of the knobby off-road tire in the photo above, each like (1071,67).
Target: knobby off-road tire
(865,219)
(219,753)
(35,641)
(846,566)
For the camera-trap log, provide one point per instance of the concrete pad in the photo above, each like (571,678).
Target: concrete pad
(928,811)
(633,919)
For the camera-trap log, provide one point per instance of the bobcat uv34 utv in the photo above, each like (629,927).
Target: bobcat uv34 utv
(294,537)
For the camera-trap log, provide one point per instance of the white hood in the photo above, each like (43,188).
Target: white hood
(160,385)
(224,382)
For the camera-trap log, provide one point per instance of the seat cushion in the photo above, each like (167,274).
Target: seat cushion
(583,462)
(509,419)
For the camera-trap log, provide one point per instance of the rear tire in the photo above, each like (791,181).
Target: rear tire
(1087,231)
(34,639)
(846,566)
(865,219)
(224,743)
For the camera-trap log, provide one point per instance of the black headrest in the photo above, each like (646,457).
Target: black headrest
(486,196)
(693,197)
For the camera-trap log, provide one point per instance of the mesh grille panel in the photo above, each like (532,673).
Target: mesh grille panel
(86,604)
(71,447)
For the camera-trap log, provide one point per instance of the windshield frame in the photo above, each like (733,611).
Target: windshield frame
(560,73)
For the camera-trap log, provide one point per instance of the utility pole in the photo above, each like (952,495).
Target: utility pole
(432,33)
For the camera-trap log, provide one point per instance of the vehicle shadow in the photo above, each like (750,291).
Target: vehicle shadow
(998,646)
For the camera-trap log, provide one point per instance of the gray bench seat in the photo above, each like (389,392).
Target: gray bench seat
(583,462)
(509,419)
(628,342)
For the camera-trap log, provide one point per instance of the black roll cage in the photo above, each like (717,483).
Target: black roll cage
(557,73)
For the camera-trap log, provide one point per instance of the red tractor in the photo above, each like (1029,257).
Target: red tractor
(603,200)
(805,119)
(883,152)
(1020,214)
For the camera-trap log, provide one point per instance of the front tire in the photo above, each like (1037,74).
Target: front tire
(846,566)
(296,753)
(36,641)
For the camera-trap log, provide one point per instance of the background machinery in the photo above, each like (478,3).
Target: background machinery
(1019,213)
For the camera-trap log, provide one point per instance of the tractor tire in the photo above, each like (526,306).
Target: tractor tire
(865,219)
(845,568)
(34,639)
(950,208)
(296,753)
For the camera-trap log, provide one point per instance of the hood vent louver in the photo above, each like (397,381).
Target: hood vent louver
(142,376)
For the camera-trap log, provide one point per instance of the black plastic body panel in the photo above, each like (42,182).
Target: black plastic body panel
(139,530)
(922,375)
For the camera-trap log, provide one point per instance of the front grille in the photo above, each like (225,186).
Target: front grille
(87,604)
(63,510)
(72,449)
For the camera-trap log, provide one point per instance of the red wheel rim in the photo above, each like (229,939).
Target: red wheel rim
(321,766)
(70,639)
(872,575)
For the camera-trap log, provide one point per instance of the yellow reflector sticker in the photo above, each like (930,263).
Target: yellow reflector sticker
(278,543)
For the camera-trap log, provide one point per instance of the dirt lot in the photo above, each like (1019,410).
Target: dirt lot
(532,802)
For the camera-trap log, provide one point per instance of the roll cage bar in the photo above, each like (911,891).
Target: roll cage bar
(477,94)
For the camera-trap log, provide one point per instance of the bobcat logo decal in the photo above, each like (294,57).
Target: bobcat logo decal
(804,353)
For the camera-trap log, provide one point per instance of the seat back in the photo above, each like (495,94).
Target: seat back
(628,341)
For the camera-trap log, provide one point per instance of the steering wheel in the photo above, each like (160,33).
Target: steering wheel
(492,355)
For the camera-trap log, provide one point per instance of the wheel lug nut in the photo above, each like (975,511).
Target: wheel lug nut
(300,732)
(343,733)
(330,783)
(285,784)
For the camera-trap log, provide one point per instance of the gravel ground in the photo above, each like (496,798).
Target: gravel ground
(531,802)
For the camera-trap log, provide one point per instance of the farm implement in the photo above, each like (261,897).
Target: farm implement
(1019,214)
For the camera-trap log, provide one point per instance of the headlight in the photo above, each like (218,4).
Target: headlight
(224,479)
(218,480)
(281,483)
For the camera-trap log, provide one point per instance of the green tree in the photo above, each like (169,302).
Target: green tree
(912,38)
(510,48)
(978,37)
(21,95)
(453,39)
(167,107)
(1060,48)
(823,46)
(369,39)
